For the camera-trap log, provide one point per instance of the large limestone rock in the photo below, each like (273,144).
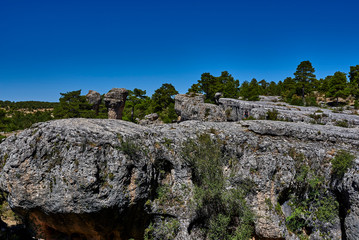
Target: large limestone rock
(115,101)
(94,98)
(98,179)
(239,109)
(192,107)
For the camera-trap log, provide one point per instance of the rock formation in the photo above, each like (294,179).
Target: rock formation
(192,107)
(217,96)
(94,98)
(150,119)
(115,101)
(103,179)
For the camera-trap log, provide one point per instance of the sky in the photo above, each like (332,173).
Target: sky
(48,47)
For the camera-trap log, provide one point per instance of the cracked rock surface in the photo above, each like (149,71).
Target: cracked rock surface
(97,179)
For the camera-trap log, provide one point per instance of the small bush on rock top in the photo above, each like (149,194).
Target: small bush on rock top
(129,147)
(342,162)
(343,123)
(272,115)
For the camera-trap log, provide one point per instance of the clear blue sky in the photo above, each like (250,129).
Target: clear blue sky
(53,46)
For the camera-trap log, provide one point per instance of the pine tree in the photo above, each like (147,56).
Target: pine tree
(210,85)
(338,86)
(354,80)
(304,77)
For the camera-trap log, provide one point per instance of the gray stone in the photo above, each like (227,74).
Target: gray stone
(270,98)
(94,98)
(150,119)
(115,101)
(192,107)
(97,178)
(217,96)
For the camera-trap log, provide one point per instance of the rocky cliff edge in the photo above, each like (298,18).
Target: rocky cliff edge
(100,179)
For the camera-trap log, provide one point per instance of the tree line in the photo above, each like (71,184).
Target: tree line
(28,105)
(74,105)
(301,89)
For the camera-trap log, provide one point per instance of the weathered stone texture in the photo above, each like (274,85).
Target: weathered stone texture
(94,98)
(97,179)
(115,101)
(192,107)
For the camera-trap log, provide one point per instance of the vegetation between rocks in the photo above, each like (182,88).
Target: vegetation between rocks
(313,204)
(221,209)
(342,161)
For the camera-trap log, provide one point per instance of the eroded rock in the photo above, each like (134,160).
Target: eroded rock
(192,107)
(150,119)
(115,101)
(94,98)
(99,179)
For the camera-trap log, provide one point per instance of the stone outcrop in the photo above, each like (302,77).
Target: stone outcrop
(115,101)
(264,98)
(239,109)
(94,98)
(99,179)
(150,119)
(192,107)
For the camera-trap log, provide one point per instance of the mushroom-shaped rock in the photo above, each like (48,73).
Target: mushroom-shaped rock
(115,101)
(94,98)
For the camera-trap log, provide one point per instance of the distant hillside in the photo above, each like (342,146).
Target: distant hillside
(28,105)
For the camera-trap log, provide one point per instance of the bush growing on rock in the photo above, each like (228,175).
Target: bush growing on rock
(220,210)
(341,163)
(272,115)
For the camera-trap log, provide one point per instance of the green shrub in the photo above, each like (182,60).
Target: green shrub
(296,100)
(222,211)
(295,221)
(165,229)
(342,161)
(312,204)
(311,101)
(278,209)
(269,203)
(343,123)
(149,232)
(272,115)
(250,118)
(218,226)
(163,193)
(129,148)
(356,104)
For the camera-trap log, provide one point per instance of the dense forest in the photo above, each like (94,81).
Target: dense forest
(340,89)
